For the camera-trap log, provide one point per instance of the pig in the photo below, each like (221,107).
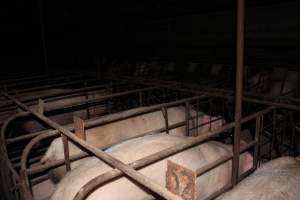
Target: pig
(131,150)
(64,118)
(112,133)
(278,179)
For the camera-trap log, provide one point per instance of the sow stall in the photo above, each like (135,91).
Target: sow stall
(26,171)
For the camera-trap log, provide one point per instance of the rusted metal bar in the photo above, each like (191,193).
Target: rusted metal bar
(239,88)
(41,107)
(31,135)
(42,80)
(43,87)
(66,152)
(107,119)
(138,177)
(187,117)
(165,113)
(257,138)
(106,177)
(293,130)
(222,93)
(23,186)
(141,98)
(59,93)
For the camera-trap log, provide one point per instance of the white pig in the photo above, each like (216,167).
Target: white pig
(131,150)
(112,133)
(278,179)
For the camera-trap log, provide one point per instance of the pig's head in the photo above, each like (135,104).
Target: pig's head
(211,126)
(54,152)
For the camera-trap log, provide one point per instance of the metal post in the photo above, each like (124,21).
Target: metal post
(257,138)
(66,152)
(187,117)
(165,112)
(239,88)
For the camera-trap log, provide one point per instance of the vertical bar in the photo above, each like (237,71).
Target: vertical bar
(257,139)
(187,118)
(239,88)
(165,111)
(24,186)
(41,107)
(197,118)
(141,98)
(66,152)
(293,141)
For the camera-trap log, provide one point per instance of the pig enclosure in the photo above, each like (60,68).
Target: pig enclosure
(124,98)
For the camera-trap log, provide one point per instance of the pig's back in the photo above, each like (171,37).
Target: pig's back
(135,149)
(276,180)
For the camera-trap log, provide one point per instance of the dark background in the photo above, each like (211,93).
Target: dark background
(79,34)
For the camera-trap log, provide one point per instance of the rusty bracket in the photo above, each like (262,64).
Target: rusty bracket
(79,128)
(181,181)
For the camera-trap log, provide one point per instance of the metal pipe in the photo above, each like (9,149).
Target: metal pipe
(192,141)
(220,93)
(89,101)
(72,91)
(107,119)
(143,180)
(239,88)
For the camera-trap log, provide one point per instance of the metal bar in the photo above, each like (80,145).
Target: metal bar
(46,79)
(55,94)
(141,98)
(41,106)
(222,93)
(257,138)
(239,88)
(165,111)
(143,180)
(108,119)
(187,116)
(192,141)
(66,152)
(31,135)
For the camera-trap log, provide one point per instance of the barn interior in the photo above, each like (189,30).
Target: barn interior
(81,80)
